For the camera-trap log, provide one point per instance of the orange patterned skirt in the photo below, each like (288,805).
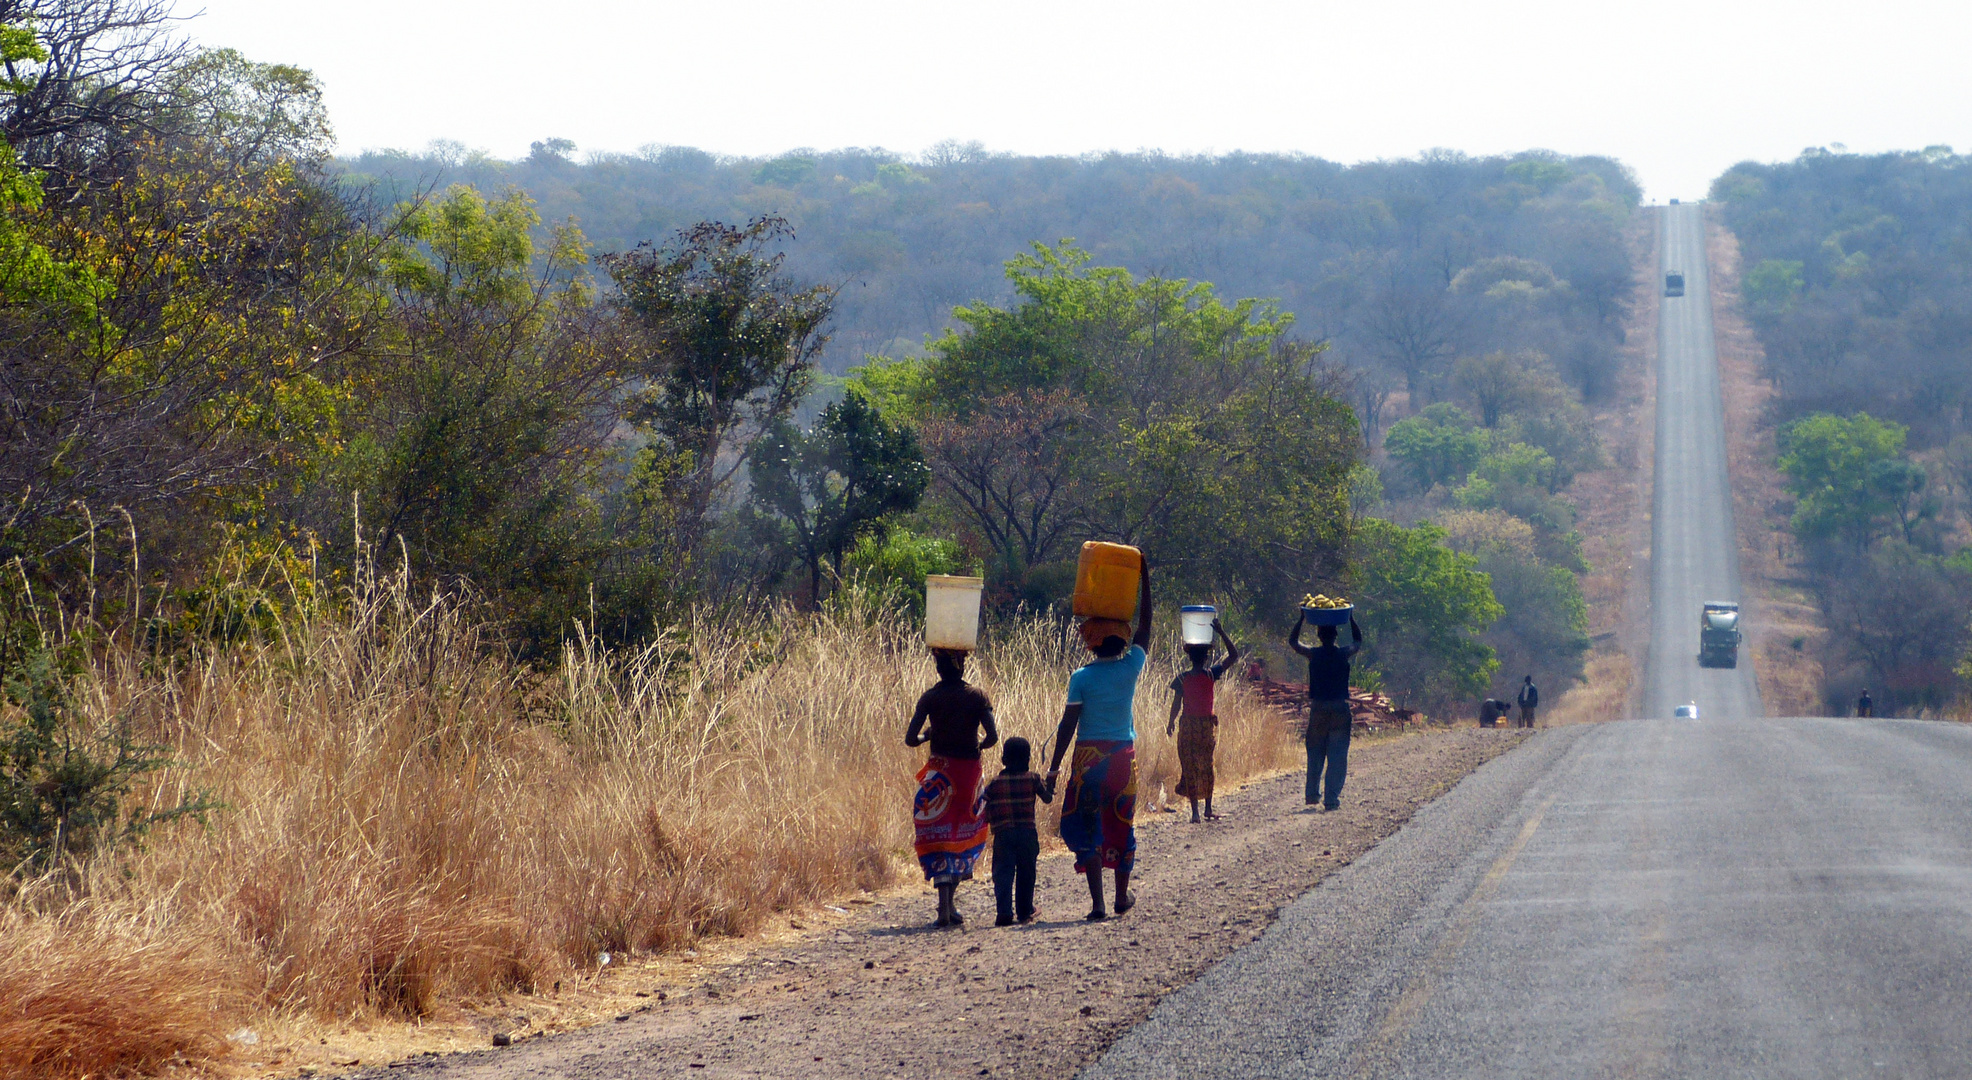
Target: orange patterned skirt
(1198,743)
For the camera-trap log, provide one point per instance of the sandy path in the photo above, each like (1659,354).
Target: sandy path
(883,994)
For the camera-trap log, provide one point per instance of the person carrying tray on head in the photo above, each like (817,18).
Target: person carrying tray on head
(1328,709)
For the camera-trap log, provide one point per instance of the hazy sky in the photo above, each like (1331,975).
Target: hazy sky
(1680,89)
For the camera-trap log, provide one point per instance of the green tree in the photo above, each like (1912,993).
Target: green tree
(1147,411)
(1544,628)
(728,346)
(1773,286)
(893,563)
(833,484)
(482,444)
(1440,445)
(1849,477)
(1425,609)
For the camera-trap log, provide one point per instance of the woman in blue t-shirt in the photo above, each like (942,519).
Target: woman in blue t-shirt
(1098,810)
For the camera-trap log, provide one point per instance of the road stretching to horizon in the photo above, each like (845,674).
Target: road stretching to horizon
(1694,548)
(1729,897)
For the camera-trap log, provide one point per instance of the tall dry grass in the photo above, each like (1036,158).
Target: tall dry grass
(412,818)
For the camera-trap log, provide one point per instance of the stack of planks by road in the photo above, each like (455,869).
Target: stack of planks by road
(1370,711)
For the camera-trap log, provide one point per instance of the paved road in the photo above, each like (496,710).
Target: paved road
(1733,897)
(1652,898)
(1694,553)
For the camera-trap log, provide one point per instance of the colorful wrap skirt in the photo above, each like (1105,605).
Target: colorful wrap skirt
(1099,809)
(950,815)
(1198,743)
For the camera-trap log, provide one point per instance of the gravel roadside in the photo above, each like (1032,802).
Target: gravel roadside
(884,994)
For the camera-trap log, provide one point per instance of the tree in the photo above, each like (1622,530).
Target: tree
(728,348)
(1493,381)
(1897,625)
(101,82)
(836,482)
(184,358)
(1773,287)
(482,443)
(1424,609)
(1439,446)
(1015,470)
(1414,327)
(1848,476)
(1146,411)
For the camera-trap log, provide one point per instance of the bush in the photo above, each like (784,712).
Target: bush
(1424,609)
(62,784)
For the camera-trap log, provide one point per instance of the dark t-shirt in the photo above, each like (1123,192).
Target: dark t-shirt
(1328,672)
(956,712)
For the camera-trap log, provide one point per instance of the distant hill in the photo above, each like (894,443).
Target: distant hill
(1365,255)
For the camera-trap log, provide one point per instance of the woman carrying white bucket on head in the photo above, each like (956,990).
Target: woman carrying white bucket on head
(1194,714)
(949,811)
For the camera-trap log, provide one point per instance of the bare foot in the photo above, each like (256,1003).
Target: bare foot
(1125,903)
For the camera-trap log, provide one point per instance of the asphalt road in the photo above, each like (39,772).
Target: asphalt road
(1652,898)
(1694,554)
(1730,897)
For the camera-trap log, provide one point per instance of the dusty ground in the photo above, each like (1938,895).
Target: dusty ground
(880,993)
(1614,512)
(1783,624)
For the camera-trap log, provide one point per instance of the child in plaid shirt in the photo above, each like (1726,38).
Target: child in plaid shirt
(1016,843)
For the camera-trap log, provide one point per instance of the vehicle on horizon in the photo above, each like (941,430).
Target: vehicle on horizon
(1685,712)
(1674,284)
(1674,202)
(1718,634)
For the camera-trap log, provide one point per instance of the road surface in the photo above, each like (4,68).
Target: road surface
(1731,897)
(1694,553)
(1650,898)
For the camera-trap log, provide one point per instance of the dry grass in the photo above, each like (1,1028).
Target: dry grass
(412,820)
(1614,514)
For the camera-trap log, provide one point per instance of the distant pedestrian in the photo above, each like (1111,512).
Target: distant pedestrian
(1864,706)
(1328,710)
(1099,806)
(1016,843)
(949,811)
(1529,700)
(1490,712)
(1195,719)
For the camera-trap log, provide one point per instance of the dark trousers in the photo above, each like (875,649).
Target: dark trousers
(1015,852)
(1328,749)
(1526,716)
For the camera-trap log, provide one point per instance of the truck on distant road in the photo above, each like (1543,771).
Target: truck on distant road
(1673,284)
(1718,634)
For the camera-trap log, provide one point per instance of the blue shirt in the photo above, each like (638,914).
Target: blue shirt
(1107,692)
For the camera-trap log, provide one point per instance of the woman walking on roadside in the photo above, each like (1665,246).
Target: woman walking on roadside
(950,809)
(1098,810)
(1195,718)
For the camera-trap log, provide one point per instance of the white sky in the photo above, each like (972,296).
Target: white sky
(1680,89)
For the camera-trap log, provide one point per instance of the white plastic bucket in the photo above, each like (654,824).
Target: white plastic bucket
(1195,623)
(951,611)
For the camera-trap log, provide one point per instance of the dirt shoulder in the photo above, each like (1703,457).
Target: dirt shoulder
(1783,624)
(1613,505)
(877,992)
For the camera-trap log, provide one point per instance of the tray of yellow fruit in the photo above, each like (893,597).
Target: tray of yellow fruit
(1321,609)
